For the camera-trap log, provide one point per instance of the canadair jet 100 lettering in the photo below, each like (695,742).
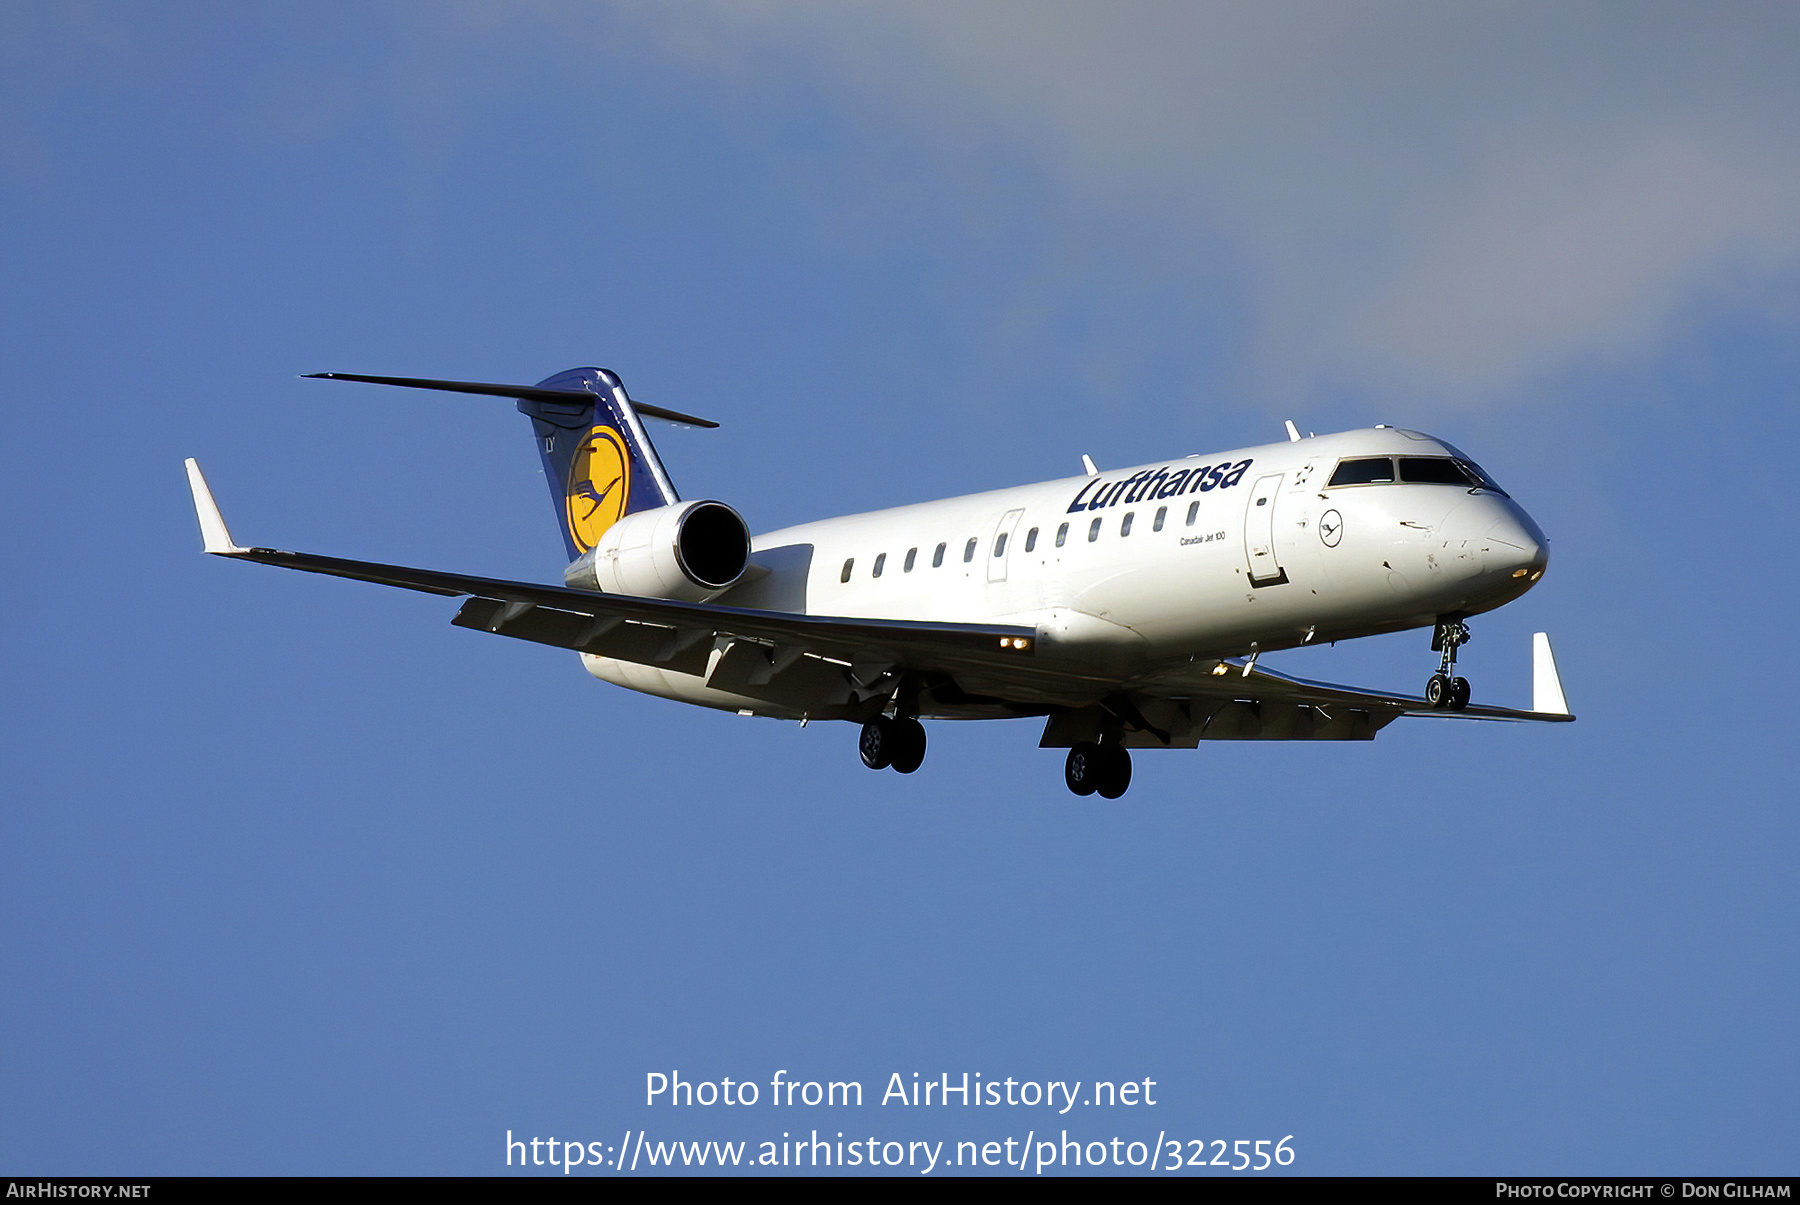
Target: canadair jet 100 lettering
(1126,608)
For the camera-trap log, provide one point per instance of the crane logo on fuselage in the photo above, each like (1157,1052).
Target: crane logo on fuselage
(599,486)
(1165,482)
(1331,528)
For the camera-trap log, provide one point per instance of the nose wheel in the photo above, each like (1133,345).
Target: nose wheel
(1445,691)
(892,742)
(1447,694)
(1103,769)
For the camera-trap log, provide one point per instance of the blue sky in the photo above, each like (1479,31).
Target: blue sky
(299,879)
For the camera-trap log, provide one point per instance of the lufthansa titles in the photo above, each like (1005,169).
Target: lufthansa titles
(1165,482)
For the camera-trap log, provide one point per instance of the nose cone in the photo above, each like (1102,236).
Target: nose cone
(1494,549)
(1514,550)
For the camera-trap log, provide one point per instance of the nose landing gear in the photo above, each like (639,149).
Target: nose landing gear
(1443,691)
(1093,767)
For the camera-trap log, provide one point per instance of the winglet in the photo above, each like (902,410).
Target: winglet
(1546,687)
(1293,432)
(213,534)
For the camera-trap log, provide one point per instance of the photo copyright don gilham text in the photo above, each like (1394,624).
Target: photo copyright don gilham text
(1034,1152)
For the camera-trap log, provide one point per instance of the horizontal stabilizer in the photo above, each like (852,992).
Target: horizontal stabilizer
(533,393)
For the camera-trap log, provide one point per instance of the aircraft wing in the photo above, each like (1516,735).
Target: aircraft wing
(1267,684)
(1181,705)
(1232,699)
(664,633)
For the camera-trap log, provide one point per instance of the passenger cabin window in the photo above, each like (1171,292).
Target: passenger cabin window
(1093,531)
(879,562)
(912,554)
(1031,540)
(848,565)
(1371,470)
(969,550)
(1062,535)
(937,557)
(1000,544)
(1162,512)
(1193,512)
(1125,523)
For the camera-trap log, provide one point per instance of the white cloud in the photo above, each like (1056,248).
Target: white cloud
(1451,200)
(1554,252)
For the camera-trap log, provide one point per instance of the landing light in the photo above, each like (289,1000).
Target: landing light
(1519,572)
(1220,670)
(1537,575)
(1015,642)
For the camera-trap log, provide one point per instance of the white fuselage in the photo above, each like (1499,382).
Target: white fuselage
(1132,571)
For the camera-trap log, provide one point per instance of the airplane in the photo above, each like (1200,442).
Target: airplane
(1128,609)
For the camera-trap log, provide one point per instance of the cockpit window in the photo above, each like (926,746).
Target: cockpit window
(1434,470)
(1476,471)
(1414,470)
(1371,470)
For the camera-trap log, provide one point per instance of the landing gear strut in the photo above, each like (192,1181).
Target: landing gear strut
(1104,768)
(1444,691)
(892,741)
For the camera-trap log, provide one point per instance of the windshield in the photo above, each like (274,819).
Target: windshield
(1364,470)
(1480,475)
(1414,470)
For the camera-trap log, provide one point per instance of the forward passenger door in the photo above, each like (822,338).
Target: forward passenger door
(1259,532)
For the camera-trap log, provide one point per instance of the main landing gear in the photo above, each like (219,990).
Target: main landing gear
(1104,768)
(893,741)
(1445,692)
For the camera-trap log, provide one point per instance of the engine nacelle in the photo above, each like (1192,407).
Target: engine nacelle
(691,551)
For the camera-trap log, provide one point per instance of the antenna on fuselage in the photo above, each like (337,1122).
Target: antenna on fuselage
(1293,432)
(1087,462)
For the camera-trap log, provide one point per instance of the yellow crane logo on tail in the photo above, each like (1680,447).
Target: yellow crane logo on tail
(599,486)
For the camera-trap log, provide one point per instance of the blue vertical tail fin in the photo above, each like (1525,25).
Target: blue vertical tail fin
(597,457)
